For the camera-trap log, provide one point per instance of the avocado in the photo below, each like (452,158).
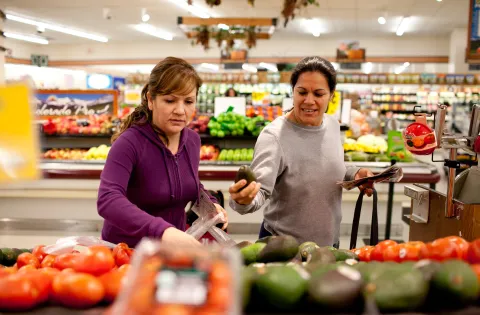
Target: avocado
(248,277)
(243,244)
(321,255)
(25,250)
(282,287)
(279,249)
(396,288)
(245,172)
(330,248)
(306,249)
(318,268)
(336,289)
(343,254)
(250,252)
(265,239)
(455,283)
(428,268)
(9,257)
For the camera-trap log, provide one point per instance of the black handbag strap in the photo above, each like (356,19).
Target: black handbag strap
(356,221)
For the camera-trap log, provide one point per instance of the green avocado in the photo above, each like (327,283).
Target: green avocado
(245,172)
(250,252)
(306,249)
(279,249)
(343,254)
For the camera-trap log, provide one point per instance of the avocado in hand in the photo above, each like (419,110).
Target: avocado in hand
(245,172)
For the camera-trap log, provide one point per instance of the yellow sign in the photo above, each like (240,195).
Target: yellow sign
(133,97)
(18,139)
(335,103)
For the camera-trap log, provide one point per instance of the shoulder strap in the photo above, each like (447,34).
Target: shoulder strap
(356,221)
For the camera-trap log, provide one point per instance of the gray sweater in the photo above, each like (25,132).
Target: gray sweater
(298,167)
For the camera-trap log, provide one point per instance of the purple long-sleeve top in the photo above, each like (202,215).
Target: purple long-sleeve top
(144,188)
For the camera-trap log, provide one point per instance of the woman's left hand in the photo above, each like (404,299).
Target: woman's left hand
(221,210)
(366,188)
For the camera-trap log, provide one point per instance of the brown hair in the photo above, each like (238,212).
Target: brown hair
(170,76)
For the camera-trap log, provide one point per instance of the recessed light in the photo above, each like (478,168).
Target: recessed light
(382,20)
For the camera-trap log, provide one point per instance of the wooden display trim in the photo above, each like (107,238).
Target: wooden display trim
(114,110)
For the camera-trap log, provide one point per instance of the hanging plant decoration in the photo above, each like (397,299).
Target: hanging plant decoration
(213,3)
(251,2)
(190,2)
(290,6)
(203,37)
(2,15)
(220,36)
(251,37)
(230,43)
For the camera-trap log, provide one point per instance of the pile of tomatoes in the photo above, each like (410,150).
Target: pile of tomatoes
(451,247)
(75,280)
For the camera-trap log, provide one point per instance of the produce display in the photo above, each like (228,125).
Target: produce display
(73,280)
(72,125)
(95,153)
(236,155)
(267,112)
(233,124)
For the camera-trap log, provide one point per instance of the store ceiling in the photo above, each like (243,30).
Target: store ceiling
(348,19)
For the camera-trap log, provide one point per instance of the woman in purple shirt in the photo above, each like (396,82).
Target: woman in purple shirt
(151,172)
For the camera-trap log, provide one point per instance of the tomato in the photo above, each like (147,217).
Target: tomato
(112,282)
(473,252)
(51,272)
(42,281)
(65,261)
(364,252)
(220,274)
(77,290)
(377,252)
(27,259)
(97,260)
(124,268)
(7,271)
(21,292)
(118,247)
(67,270)
(440,250)
(391,253)
(122,256)
(26,268)
(462,245)
(48,261)
(410,251)
(38,252)
(429,139)
(172,309)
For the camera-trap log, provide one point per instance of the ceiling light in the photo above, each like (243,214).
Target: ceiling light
(153,31)
(223,26)
(368,67)
(403,25)
(194,9)
(439,0)
(313,26)
(382,20)
(406,64)
(249,68)
(26,38)
(269,66)
(145,17)
(57,28)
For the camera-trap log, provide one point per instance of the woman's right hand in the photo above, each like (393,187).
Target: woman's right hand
(176,237)
(246,195)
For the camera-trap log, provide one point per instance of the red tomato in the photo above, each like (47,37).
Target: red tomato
(18,293)
(112,282)
(48,261)
(410,251)
(97,260)
(172,309)
(118,247)
(42,281)
(462,245)
(473,252)
(27,259)
(220,274)
(122,256)
(65,261)
(7,271)
(391,253)
(77,290)
(38,252)
(219,297)
(377,252)
(124,268)
(364,252)
(440,250)
(26,268)
(51,272)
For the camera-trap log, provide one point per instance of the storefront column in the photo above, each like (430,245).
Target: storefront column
(458,48)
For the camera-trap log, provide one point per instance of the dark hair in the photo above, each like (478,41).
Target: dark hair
(231,89)
(315,64)
(170,76)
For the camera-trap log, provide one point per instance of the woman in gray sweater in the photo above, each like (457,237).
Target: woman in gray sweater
(298,160)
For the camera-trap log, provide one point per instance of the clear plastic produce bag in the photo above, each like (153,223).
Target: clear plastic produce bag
(67,244)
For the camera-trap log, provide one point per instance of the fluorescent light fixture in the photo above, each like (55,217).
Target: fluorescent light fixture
(313,26)
(210,66)
(439,0)
(223,26)
(249,68)
(406,64)
(57,28)
(153,31)
(194,9)
(271,30)
(403,25)
(269,66)
(382,20)
(402,68)
(26,38)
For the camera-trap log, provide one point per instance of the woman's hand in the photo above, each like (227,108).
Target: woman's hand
(366,188)
(221,210)
(176,237)
(246,196)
